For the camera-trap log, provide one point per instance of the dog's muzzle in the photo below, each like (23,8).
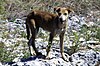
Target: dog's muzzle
(62,21)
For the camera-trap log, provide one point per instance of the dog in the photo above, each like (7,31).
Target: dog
(55,23)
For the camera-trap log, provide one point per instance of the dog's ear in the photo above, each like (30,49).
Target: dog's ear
(56,9)
(70,10)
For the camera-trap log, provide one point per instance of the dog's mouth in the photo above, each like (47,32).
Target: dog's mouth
(61,20)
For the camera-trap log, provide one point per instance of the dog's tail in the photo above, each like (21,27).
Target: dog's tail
(27,30)
(27,26)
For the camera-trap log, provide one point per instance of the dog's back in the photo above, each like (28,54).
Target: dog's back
(41,19)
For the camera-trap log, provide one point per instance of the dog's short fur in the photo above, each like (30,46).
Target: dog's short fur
(54,23)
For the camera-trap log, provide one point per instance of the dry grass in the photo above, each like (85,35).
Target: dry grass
(12,9)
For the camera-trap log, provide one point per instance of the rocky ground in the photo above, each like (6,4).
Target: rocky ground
(14,49)
(81,58)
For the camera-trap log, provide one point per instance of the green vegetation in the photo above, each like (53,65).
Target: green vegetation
(12,9)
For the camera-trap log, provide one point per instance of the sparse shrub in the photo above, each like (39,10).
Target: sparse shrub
(4,54)
(98,34)
(90,33)
(26,55)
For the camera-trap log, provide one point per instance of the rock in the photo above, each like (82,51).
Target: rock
(81,58)
(93,42)
(89,57)
(19,21)
(0,64)
(11,35)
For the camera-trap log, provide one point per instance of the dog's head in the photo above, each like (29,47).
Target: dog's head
(62,13)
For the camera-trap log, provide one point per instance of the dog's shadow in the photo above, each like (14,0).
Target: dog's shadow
(33,58)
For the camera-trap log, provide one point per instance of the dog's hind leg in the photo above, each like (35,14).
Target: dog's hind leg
(34,30)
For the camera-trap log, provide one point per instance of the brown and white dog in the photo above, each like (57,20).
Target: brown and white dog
(54,23)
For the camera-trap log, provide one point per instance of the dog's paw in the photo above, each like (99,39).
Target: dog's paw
(65,57)
(47,58)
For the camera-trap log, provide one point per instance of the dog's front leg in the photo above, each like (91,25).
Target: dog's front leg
(62,46)
(49,45)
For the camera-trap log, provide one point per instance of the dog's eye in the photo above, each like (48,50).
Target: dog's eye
(59,13)
(65,13)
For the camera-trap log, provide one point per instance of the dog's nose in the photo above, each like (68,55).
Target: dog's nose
(61,19)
